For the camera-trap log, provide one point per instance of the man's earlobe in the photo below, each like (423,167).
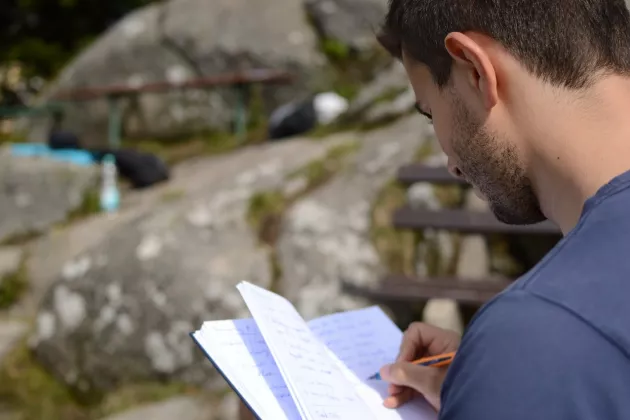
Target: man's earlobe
(471,57)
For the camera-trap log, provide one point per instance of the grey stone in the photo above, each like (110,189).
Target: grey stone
(181,39)
(11,332)
(188,408)
(325,236)
(351,22)
(36,193)
(443,313)
(392,79)
(385,111)
(474,257)
(10,259)
(122,309)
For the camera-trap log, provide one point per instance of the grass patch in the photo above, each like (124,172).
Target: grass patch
(172,195)
(264,213)
(9,138)
(91,204)
(320,171)
(13,286)
(34,394)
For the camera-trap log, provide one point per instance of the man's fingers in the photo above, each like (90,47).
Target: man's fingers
(399,399)
(420,378)
(411,343)
(394,389)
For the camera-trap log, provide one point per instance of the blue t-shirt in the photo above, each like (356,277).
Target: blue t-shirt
(556,344)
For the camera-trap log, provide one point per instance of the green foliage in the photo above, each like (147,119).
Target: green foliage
(396,248)
(91,204)
(13,286)
(43,35)
(335,50)
(29,390)
(32,392)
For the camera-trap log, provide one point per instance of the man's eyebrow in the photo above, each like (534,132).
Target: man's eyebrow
(419,109)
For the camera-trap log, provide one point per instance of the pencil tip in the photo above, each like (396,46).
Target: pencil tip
(375,376)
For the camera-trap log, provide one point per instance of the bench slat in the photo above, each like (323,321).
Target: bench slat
(410,174)
(465,221)
(397,288)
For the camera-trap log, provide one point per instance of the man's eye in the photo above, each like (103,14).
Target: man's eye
(419,109)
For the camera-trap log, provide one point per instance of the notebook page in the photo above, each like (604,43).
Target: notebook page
(239,351)
(317,383)
(363,341)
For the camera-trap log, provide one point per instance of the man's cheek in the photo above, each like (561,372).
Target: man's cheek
(443,134)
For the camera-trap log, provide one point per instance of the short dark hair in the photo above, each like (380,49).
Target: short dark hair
(564,42)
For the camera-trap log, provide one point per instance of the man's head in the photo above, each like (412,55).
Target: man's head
(487,71)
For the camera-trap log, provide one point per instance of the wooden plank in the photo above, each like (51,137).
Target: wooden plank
(413,173)
(397,288)
(465,221)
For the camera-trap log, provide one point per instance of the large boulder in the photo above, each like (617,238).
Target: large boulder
(122,310)
(36,193)
(349,22)
(182,39)
(325,237)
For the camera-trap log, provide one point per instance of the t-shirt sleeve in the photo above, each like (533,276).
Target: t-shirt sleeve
(526,358)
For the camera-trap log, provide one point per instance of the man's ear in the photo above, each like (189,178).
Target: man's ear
(471,58)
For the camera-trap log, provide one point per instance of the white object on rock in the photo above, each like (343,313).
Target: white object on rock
(328,106)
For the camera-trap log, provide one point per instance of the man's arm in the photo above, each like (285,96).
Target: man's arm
(525,358)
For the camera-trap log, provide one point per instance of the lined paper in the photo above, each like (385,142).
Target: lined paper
(363,341)
(238,349)
(318,385)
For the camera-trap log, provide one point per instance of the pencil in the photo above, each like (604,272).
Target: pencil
(439,360)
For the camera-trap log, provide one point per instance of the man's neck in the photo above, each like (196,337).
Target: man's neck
(587,145)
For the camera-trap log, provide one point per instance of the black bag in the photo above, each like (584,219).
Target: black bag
(292,119)
(141,169)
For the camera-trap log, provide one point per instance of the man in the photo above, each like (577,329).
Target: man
(530,100)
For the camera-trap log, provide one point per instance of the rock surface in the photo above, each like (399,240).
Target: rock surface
(37,193)
(182,39)
(10,259)
(188,408)
(393,79)
(350,22)
(123,309)
(11,332)
(326,236)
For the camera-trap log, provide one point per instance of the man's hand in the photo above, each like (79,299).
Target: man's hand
(408,380)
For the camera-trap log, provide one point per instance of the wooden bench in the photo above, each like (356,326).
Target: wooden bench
(241,81)
(400,293)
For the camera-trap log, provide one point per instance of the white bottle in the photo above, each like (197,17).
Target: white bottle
(110,196)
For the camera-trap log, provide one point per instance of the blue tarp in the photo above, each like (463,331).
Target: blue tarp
(77,157)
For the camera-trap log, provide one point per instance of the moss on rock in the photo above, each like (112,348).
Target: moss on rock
(396,248)
(27,389)
(13,286)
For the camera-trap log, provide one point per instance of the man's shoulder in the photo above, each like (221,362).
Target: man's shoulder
(521,344)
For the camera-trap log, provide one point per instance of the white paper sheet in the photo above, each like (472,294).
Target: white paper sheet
(319,387)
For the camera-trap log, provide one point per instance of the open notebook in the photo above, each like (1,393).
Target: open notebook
(285,368)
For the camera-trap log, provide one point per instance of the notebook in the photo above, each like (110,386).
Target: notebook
(285,368)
